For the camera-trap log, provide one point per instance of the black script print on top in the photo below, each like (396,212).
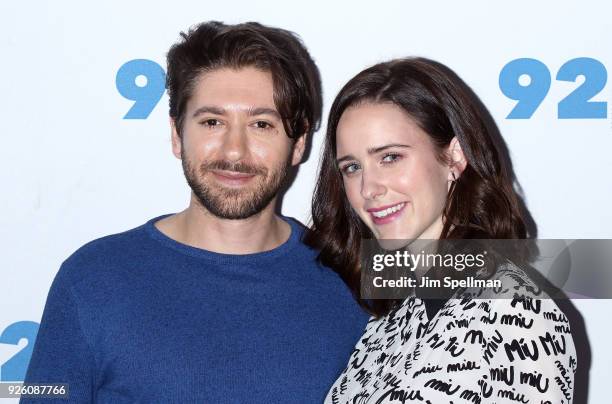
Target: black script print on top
(473,350)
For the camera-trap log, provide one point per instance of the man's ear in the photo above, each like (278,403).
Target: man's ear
(457,161)
(176,140)
(298,149)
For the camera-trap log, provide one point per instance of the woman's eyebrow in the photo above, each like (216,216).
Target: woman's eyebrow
(372,150)
(344,158)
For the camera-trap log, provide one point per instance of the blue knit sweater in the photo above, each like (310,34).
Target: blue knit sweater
(140,318)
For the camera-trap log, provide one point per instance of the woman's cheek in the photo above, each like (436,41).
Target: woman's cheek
(353,194)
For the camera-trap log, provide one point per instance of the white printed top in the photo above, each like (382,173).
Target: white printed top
(491,350)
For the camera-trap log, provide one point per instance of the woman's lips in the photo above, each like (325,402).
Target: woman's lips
(386,214)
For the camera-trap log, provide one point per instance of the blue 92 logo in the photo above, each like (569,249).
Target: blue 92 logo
(576,105)
(143,81)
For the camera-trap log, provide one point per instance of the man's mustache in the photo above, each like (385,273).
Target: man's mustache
(239,167)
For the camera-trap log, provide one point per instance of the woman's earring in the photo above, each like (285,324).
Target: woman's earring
(454,177)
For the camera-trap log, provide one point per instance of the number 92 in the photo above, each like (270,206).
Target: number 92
(576,105)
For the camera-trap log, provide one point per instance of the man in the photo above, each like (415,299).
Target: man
(221,302)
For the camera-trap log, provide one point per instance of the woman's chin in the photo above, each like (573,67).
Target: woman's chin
(393,243)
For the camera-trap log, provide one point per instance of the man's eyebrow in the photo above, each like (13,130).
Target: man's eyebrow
(208,109)
(221,111)
(373,150)
(264,111)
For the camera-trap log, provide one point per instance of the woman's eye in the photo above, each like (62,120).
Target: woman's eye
(349,168)
(391,157)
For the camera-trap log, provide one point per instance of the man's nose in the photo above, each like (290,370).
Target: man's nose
(235,144)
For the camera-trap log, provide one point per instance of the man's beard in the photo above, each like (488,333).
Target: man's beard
(234,203)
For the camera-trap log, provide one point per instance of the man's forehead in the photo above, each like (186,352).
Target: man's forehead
(244,89)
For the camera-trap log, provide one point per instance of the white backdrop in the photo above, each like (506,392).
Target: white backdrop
(72,169)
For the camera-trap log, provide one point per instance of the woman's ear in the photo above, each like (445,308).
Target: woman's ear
(457,161)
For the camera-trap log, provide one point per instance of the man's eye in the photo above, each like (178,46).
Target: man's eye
(210,122)
(263,125)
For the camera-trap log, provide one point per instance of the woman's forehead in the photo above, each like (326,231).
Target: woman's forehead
(367,126)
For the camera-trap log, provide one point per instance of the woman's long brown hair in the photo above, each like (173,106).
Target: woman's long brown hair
(483,203)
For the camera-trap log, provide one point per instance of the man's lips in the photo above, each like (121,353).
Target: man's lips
(232,177)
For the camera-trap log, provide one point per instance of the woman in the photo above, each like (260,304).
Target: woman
(410,154)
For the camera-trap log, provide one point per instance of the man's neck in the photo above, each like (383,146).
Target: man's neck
(197,227)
